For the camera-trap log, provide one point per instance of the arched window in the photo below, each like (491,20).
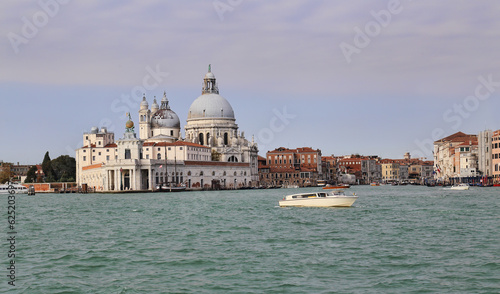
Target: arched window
(213,173)
(235,174)
(224,173)
(201,173)
(189,173)
(226,139)
(208,138)
(200,137)
(233,159)
(158,156)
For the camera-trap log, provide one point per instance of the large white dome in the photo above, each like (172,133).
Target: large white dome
(210,106)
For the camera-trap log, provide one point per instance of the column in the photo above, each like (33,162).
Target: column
(150,182)
(132,179)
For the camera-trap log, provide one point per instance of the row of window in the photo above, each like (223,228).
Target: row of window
(93,150)
(290,161)
(93,158)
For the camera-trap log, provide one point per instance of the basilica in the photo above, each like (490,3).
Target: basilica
(214,153)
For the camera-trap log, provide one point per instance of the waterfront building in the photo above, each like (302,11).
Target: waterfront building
(390,170)
(351,165)
(484,140)
(495,155)
(300,166)
(446,162)
(371,171)
(213,155)
(330,168)
(403,172)
(466,159)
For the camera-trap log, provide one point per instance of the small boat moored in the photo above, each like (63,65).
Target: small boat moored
(318,199)
(460,187)
(170,188)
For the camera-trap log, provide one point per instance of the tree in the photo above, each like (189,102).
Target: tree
(5,172)
(47,168)
(64,168)
(31,175)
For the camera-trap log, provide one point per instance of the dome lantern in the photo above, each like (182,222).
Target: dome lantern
(209,83)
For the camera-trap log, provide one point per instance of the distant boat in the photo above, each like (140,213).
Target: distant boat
(342,186)
(321,183)
(170,188)
(13,189)
(374,184)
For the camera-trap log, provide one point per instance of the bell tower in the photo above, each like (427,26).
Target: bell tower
(144,120)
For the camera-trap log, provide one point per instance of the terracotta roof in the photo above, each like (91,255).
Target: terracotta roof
(457,137)
(92,166)
(468,143)
(298,150)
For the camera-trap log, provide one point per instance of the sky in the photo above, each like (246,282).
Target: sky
(346,77)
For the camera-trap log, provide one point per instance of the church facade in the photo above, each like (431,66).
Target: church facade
(213,154)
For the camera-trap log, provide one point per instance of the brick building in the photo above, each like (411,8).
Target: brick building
(283,166)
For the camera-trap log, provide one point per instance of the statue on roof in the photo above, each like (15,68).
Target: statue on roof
(129,125)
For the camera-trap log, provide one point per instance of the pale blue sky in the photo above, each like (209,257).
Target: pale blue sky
(411,79)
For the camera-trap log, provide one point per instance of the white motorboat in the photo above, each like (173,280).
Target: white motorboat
(319,199)
(13,189)
(460,187)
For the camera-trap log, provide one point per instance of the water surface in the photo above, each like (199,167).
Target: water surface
(403,239)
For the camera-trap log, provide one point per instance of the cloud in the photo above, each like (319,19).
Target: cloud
(295,44)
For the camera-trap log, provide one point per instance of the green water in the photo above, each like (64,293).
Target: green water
(402,239)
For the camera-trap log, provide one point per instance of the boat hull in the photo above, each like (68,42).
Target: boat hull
(13,189)
(173,189)
(459,188)
(341,201)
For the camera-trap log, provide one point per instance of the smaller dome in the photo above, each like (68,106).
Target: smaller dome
(94,130)
(144,103)
(155,105)
(165,118)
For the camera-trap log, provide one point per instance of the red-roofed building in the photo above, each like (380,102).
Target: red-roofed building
(289,167)
(455,157)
